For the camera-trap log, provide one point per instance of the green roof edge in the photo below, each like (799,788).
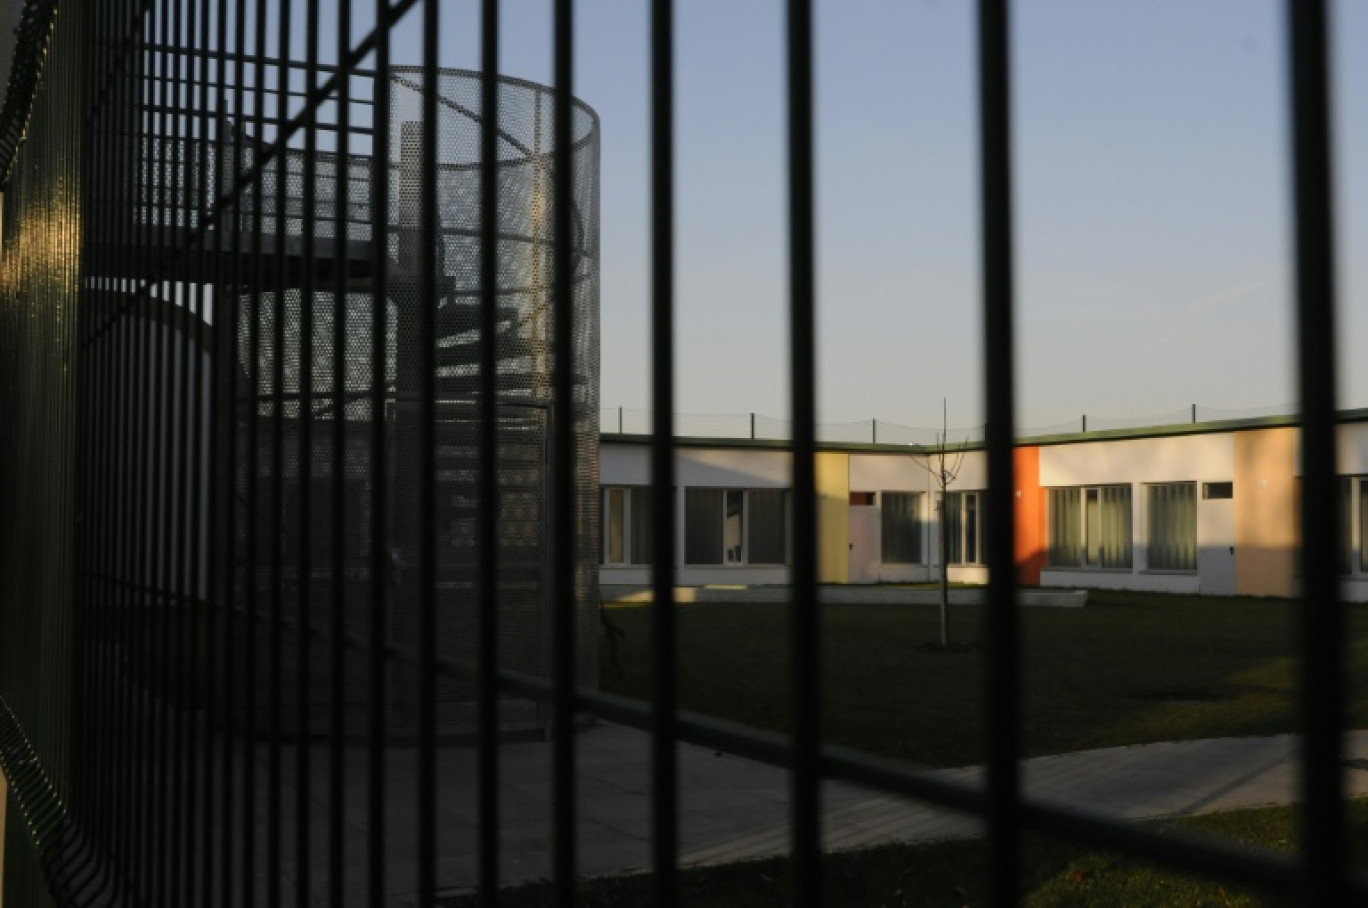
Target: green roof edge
(1063,438)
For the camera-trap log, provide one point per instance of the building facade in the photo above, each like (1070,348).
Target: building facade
(1206,508)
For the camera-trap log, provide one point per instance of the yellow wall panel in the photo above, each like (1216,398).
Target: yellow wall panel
(833,517)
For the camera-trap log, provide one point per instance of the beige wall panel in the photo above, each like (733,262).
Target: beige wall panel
(1265,520)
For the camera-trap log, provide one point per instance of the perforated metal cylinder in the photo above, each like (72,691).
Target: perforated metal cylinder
(267,353)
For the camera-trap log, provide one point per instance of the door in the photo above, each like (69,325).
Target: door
(1216,542)
(866,552)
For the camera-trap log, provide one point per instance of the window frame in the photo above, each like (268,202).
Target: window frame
(1151,490)
(957,543)
(739,555)
(630,542)
(1082,561)
(918,540)
(1353,516)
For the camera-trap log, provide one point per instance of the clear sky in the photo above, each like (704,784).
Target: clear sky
(1152,202)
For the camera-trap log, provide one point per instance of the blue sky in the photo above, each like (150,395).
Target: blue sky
(1152,193)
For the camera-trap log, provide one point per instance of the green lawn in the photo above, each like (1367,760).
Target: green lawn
(1129,668)
(951,873)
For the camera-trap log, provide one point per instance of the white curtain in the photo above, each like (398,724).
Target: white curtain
(1173,527)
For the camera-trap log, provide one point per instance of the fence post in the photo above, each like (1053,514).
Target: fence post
(752,416)
(1194,414)
(874,431)
(1085,422)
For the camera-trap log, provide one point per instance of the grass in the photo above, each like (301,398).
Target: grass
(1127,669)
(951,873)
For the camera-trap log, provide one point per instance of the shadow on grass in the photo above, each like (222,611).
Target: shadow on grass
(1128,669)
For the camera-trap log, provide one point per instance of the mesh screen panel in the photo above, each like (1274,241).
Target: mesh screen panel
(526,316)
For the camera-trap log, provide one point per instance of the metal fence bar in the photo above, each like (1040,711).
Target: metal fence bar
(234,345)
(427,465)
(487,516)
(102,605)
(145,524)
(382,571)
(563,462)
(664,730)
(341,514)
(303,731)
(1322,697)
(180,843)
(160,603)
(806,656)
(279,313)
(1002,632)
(206,458)
(133,554)
(160,614)
(254,615)
(191,598)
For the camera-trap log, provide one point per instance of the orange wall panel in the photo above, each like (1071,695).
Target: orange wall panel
(1029,515)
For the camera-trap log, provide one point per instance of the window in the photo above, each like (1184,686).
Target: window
(1173,526)
(767,528)
(1353,526)
(736,526)
(962,528)
(1346,524)
(627,536)
(1353,532)
(1090,526)
(1218,490)
(901,528)
(1363,524)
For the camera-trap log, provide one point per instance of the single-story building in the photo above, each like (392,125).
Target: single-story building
(1194,508)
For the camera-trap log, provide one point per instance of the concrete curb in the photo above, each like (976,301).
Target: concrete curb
(632,594)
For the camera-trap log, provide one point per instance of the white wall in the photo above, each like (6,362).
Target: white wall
(736,468)
(624,465)
(1175,458)
(973,471)
(912,473)
(1139,462)
(888,472)
(728,468)
(895,473)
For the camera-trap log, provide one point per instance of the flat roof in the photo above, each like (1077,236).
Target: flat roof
(1063,438)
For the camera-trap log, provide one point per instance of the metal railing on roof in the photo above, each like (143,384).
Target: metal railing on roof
(756,426)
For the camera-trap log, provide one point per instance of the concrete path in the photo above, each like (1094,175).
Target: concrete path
(735,809)
(1177,778)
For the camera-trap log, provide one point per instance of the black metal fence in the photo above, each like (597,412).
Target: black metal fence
(298,360)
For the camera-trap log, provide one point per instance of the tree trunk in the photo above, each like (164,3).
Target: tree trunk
(944,580)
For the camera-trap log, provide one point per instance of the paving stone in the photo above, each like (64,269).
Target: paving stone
(733,809)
